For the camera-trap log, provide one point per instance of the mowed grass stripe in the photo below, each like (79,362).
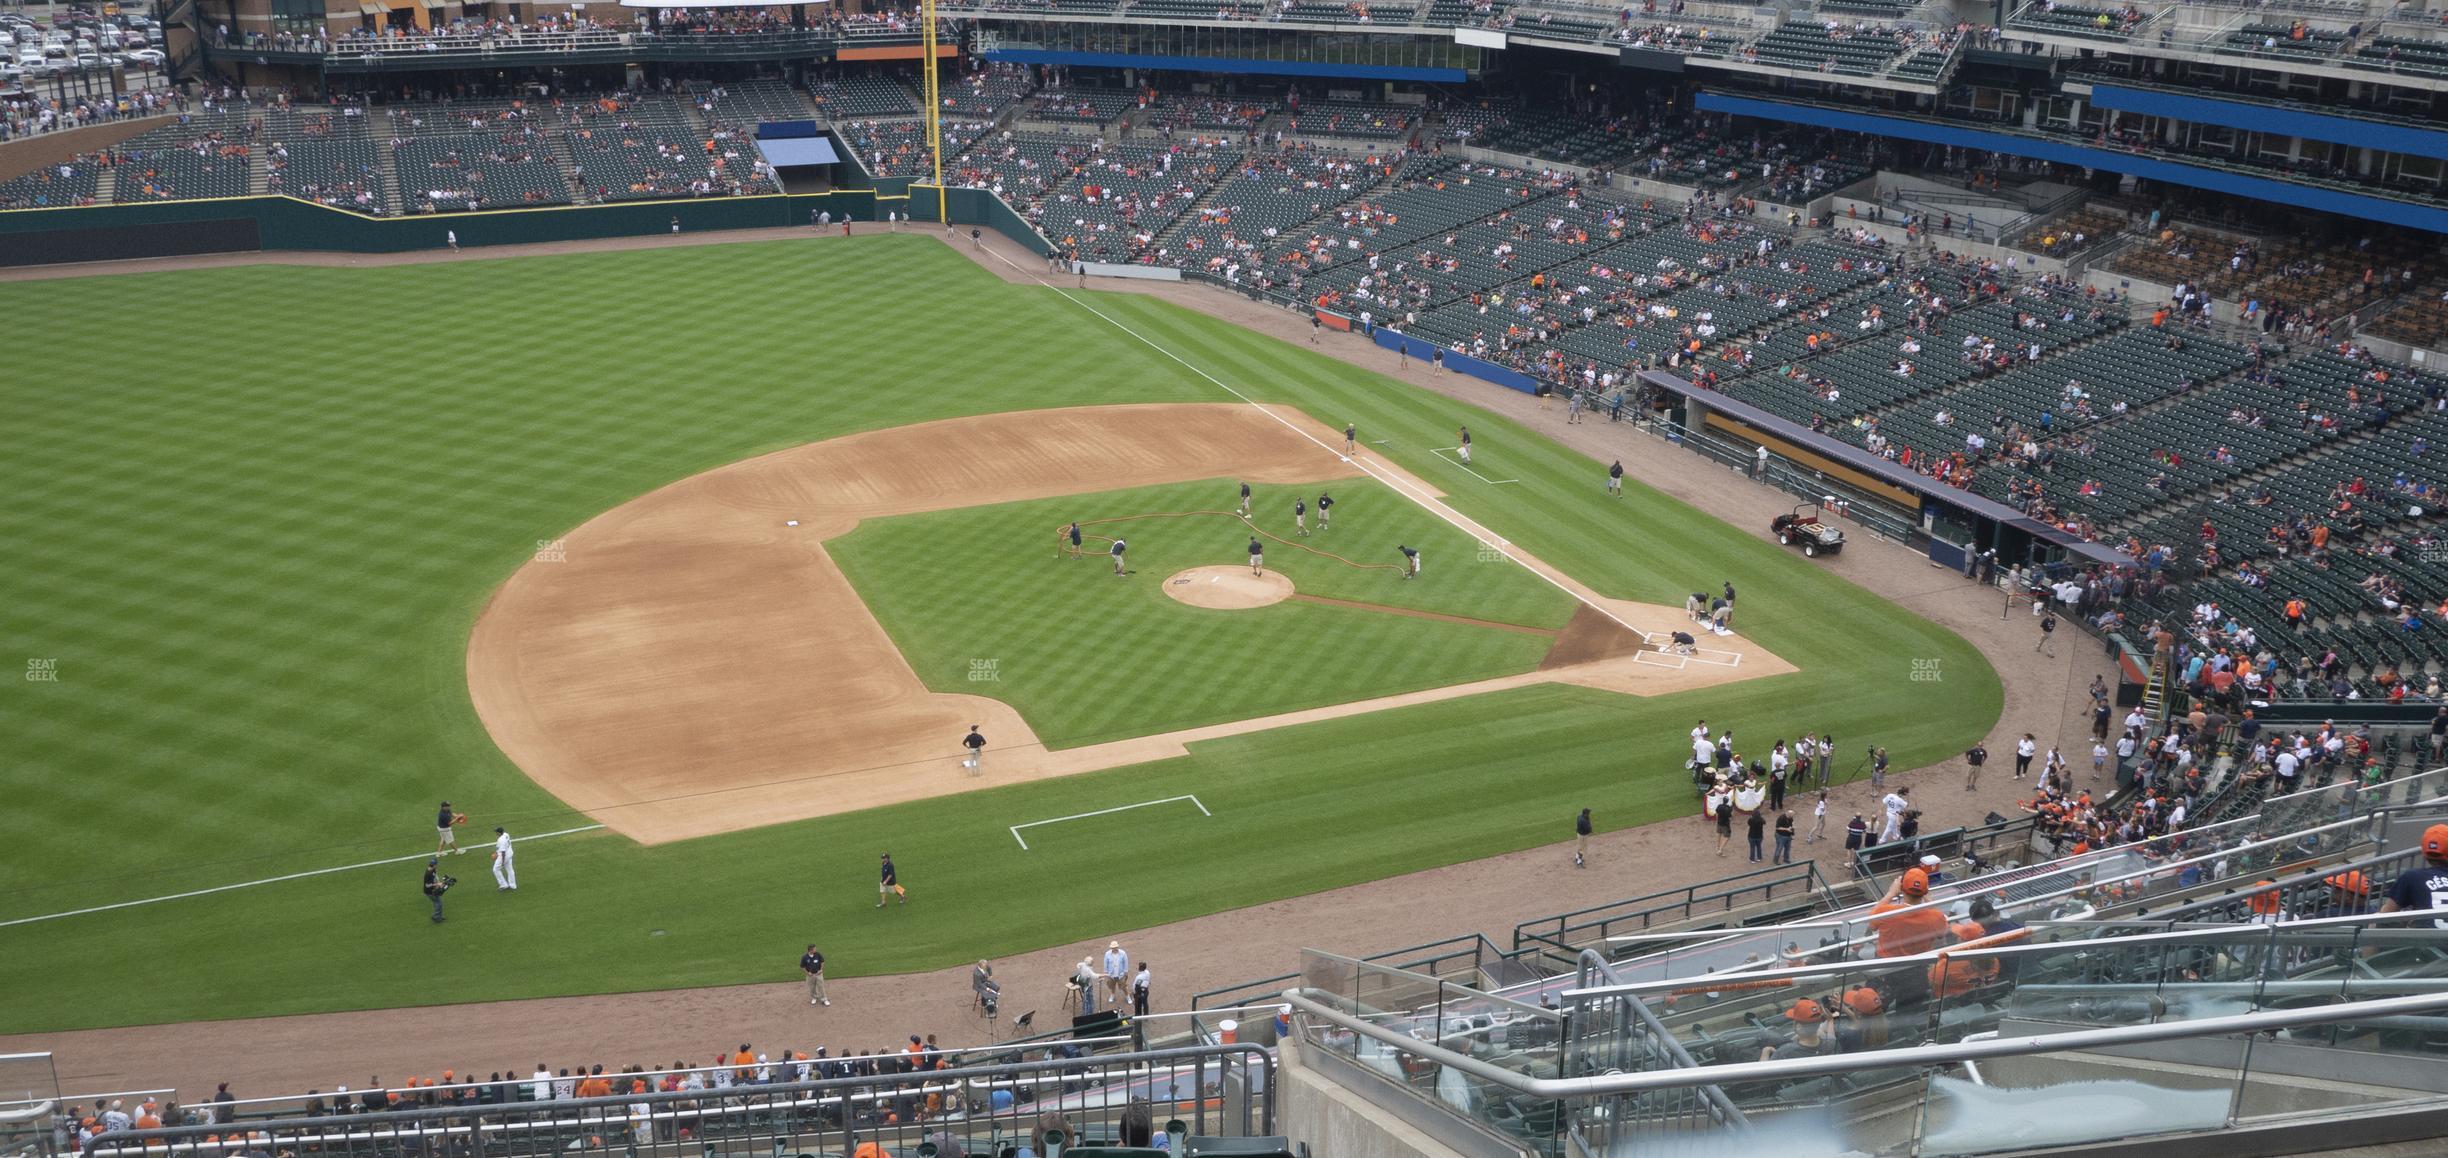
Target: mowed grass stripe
(258,559)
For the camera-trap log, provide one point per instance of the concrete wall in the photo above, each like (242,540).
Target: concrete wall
(1335,1121)
(2396,351)
(26,154)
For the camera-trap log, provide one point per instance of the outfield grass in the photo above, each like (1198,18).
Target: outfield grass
(1087,658)
(255,555)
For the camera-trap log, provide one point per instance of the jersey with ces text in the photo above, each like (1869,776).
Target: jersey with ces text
(2423,888)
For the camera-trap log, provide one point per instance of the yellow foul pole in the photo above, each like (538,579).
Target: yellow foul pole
(934,101)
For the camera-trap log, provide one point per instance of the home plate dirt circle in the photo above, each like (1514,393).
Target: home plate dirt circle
(1227,588)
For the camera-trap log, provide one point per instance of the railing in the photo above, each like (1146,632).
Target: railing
(2219,856)
(1561,938)
(454,51)
(2087,139)
(2068,1018)
(2337,109)
(1219,1089)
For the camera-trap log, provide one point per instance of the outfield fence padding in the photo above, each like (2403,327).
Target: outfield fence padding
(245,224)
(1458,363)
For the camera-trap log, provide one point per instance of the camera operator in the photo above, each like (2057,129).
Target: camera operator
(436,884)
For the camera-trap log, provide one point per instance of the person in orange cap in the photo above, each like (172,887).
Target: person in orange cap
(2426,886)
(2349,895)
(1907,925)
(1810,1039)
(1915,927)
(2262,903)
(1954,975)
(1866,1020)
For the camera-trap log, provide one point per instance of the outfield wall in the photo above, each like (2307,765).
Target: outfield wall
(1458,363)
(251,224)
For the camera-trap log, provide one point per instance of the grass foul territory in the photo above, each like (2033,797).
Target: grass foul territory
(1194,802)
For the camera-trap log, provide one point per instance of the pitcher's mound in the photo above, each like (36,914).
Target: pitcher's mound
(1228,588)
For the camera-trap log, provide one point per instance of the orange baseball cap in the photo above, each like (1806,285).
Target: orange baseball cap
(2435,841)
(1805,1010)
(1916,882)
(2349,881)
(1863,1000)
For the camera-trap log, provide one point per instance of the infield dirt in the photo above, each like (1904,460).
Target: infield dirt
(693,662)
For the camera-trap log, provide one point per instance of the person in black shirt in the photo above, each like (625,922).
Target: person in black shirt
(1974,757)
(1615,480)
(1757,829)
(1325,503)
(811,963)
(1245,500)
(976,744)
(1994,923)
(1411,562)
(1300,516)
(1257,557)
(2425,887)
(1072,533)
(446,839)
(890,884)
(436,884)
(1116,551)
(1581,835)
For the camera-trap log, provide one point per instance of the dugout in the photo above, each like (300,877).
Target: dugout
(1955,526)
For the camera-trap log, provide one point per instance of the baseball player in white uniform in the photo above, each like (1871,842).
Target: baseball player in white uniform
(505,868)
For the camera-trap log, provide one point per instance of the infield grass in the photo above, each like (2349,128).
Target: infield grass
(250,530)
(1088,658)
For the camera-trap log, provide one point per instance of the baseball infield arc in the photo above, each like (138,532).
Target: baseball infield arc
(691,663)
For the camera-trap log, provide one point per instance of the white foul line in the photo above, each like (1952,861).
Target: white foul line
(267,881)
(1015,829)
(1456,519)
(1446,453)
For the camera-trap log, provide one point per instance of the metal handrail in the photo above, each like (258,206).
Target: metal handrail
(1635,989)
(621,1107)
(1593,961)
(1861,915)
(1608,1085)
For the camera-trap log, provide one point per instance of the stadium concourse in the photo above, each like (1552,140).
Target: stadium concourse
(2043,695)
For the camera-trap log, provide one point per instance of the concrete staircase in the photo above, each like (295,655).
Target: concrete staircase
(395,199)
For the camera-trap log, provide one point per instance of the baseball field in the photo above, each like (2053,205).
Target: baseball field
(693,566)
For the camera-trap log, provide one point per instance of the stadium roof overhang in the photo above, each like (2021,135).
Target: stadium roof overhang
(1930,490)
(788,152)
